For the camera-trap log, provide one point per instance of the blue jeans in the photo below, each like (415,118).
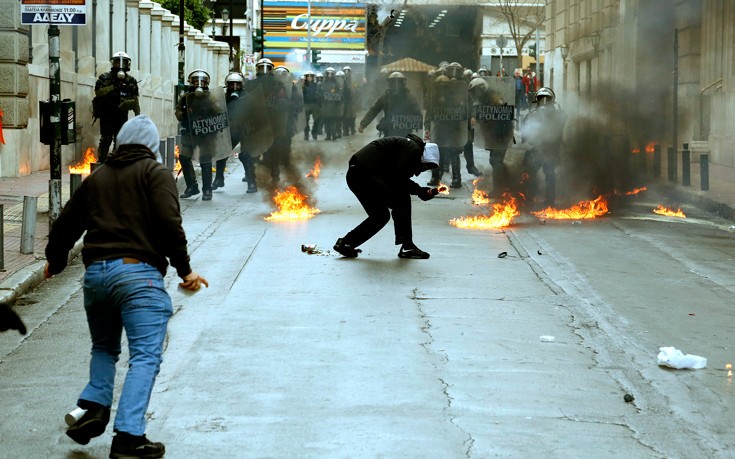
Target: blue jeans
(130,296)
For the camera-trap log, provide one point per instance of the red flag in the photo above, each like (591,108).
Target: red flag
(2,139)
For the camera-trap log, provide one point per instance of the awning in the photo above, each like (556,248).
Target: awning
(408,64)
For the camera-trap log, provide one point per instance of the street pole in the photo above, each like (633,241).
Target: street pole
(308,34)
(54,208)
(501,42)
(182,54)
(537,56)
(676,98)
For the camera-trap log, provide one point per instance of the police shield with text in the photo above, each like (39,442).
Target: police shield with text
(116,94)
(401,110)
(494,116)
(447,120)
(205,132)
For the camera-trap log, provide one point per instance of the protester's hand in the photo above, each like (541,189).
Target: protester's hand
(427,193)
(193,282)
(9,320)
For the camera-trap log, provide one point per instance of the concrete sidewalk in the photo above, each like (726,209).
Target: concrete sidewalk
(23,272)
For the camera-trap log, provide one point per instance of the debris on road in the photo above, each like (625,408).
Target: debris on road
(674,358)
(502,254)
(628,398)
(547,339)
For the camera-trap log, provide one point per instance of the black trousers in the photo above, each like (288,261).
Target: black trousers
(380,206)
(109,127)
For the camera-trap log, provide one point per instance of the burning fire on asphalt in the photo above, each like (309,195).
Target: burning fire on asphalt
(292,205)
(667,212)
(84,166)
(501,217)
(314,173)
(581,211)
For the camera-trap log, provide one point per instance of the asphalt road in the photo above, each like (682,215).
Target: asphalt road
(290,354)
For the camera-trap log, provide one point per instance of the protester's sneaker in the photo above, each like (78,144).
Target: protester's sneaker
(413,252)
(92,424)
(190,191)
(126,446)
(346,250)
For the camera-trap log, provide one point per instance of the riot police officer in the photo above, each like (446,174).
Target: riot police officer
(332,103)
(351,102)
(542,129)
(116,93)
(204,127)
(401,110)
(312,103)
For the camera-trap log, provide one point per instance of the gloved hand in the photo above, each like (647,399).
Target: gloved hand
(10,320)
(427,193)
(127,104)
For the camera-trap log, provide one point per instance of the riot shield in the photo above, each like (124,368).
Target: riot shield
(209,127)
(495,112)
(332,98)
(449,113)
(277,103)
(298,115)
(403,116)
(249,122)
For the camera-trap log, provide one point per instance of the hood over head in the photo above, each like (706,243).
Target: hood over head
(139,130)
(430,157)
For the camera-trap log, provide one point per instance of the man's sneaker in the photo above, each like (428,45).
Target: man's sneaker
(218,183)
(126,446)
(190,191)
(346,250)
(92,424)
(414,253)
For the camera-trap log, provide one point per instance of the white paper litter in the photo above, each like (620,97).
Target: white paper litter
(674,358)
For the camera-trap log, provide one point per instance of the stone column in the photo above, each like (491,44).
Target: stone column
(157,53)
(132,29)
(189,35)
(169,48)
(195,45)
(223,62)
(207,50)
(144,46)
(102,36)
(118,26)
(16,155)
(85,37)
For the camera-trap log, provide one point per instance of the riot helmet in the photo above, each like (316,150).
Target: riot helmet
(454,71)
(467,75)
(234,82)
(545,96)
(396,81)
(199,79)
(347,69)
(329,72)
(263,66)
(477,88)
(120,61)
(441,79)
(483,72)
(443,64)
(340,74)
(319,77)
(309,76)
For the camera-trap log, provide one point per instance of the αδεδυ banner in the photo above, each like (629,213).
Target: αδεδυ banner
(56,12)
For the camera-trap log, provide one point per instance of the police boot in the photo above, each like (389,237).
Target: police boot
(187,170)
(469,157)
(207,182)
(456,172)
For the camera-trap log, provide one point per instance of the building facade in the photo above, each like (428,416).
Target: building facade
(632,57)
(144,30)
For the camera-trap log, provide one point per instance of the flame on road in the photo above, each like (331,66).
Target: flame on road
(177,163)
(84,166)
(317,168)
(583,210)
(443,189)
(501,217)
(479,197)
(636,191)
(668,212)
(292,205)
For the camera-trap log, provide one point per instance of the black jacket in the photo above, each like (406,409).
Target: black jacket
(392,161)
(129,208)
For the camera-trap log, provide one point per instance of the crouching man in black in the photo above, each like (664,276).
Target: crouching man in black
(380,176)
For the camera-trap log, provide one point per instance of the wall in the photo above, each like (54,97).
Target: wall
(144,30)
